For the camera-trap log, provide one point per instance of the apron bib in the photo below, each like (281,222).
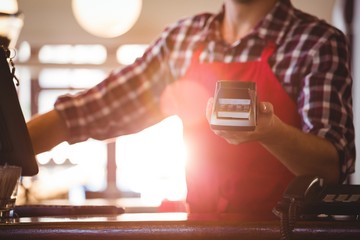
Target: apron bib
(244,179)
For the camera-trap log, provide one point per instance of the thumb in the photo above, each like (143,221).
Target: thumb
(266,108)
(209,107)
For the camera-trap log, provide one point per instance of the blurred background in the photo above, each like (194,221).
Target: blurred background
(61,49)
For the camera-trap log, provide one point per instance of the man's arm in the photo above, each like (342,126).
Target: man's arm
(46,131)
(302,153)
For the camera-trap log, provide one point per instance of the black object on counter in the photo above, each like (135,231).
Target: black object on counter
(66,210)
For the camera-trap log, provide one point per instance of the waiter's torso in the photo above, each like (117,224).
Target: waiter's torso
(222,177)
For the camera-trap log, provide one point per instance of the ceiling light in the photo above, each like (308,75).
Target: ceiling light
(11,22)
(106,18)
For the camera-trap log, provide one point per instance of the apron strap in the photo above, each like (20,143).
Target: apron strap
(268,51)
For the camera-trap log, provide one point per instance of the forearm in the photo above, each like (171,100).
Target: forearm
(303,153)
(46,131)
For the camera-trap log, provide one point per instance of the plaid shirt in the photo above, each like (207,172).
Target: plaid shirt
(311,62)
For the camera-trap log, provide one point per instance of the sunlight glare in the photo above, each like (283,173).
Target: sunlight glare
(152,162)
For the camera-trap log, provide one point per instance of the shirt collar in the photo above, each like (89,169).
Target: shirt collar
(272,28)
(213,27)
(276,23)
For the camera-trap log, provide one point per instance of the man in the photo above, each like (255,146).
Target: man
(304,125)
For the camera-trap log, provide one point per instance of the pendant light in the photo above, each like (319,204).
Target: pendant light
(106,18)
(11,22)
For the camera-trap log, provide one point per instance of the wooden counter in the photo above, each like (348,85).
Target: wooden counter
(170,226)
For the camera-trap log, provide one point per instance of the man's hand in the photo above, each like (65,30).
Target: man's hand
(266,124)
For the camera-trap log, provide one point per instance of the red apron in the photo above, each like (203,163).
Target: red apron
(221,177)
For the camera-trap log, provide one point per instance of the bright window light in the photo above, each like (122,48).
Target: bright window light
(24,52)
(70,78)
(127,54)
(73,54)
(89,169)
(48,97)
(152,162)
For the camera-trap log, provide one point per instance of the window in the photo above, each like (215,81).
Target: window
(149,164)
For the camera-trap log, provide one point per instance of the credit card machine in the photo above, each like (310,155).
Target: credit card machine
(234,106)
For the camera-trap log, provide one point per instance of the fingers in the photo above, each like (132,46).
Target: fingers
(209,108)
(264,120)
(266,107)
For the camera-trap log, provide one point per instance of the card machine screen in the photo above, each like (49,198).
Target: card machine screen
(234,106)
